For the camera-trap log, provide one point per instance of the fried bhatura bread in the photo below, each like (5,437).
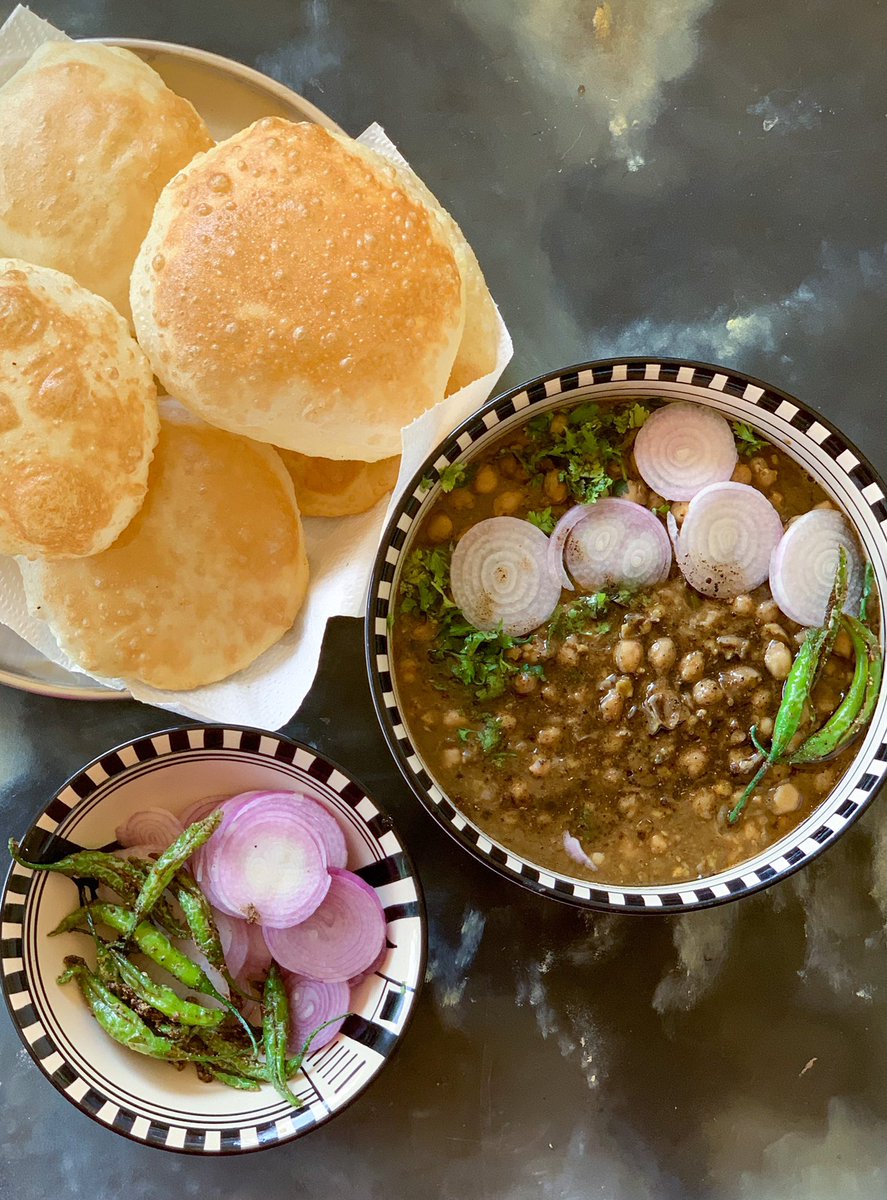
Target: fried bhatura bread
(327,487)
(294,292)
(476,355)
(78,416)
(210,573)
(89,135)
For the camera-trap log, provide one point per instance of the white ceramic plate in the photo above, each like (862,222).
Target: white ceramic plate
(150,1101)
(229,96)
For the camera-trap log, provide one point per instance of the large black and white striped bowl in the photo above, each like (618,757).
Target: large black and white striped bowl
(811,440)
(150,1101)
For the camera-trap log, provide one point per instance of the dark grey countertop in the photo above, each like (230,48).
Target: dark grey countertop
(695,178)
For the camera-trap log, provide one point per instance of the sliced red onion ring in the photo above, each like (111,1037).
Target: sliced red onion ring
(258,957)
(573,847)
(802,569)
(356,980)
(558,541)
(267,864)
(312,1003)
(150,827)
(618,543)
(202,808)
(499,576)
(326,825)
(724,545)
(235,938)
(682,448)
(200,861)
(341,939)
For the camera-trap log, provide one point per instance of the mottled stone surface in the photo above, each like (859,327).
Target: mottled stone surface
(702,178)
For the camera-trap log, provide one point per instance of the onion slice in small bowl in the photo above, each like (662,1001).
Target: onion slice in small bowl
(312,1004)
(803,565)
(156,827)
(682,448)
(500,578)
(725,543)
(235,938)
(558,541)
(340,939)
(618,543)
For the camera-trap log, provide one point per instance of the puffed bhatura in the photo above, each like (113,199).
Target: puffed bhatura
(327,487)
(210,573)
(78,416)
(89,135)
(292,290)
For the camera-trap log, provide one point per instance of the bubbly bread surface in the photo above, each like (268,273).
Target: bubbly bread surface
(78,416)
(327,487)
(295,292)
(89,136)
(210,573)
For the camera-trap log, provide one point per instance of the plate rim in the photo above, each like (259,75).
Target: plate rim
(653,899)
(15,899)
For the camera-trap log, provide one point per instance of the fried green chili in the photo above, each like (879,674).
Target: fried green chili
(275,1034)
(163,998)
(164,870)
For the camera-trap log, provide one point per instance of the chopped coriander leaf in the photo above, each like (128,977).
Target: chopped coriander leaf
(425,582)
(480,661)
(464,734)
(663,509)
(542,519)
(453,476)
(747,441)
(630,418)
(426,483)
(488,736)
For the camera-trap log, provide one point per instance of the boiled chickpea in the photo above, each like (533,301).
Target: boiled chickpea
(679,510)
(693,762)
(636,491)
(524,683)
(627,805)
(461,498)
(554,487)
(452,718)
(568,654)
(743,605)
(785,799)
(658,843)
(451,757)
(486,480)
(704,803)
(440,528)
(763,475)
(765,726)
(662,654)
(843,645)
(692,666)
(549,735)
(507,721)
(706,692)
(629,655)
(611,705)
(540,767)
(768,610)
(507,503)
(778,659)
(741,474)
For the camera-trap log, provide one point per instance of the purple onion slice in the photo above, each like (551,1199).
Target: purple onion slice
(500,577)
(155,827)
(312,1003)
(618,544)
(682,448)
(803,565)
(235,938)
(558,541)
(340,939)
(725,543)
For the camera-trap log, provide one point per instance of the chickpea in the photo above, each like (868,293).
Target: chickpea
(559,423)
(540,767)
(568,654)
(628,805)
(776,499)
(624,686)
(693,761)
(679,510)
(692,666)
(704,803)
(760,700)
(662,654)
(823,780)
(629,655)
(723,788)
(611,705)
(778,659)
(549,735)
(452,718)
(785,799)
(507,721)
(551,692)
(486,480)
(554,487)
(525,683)
(451,757)
(440,528)
(658,843)
(636,491)
(612,775)
(741,473)
(768,610)
(519,790)
(763,475)
(598,858)
(765,726)
(843,645)
(707,692)
(507,503)
(743,605)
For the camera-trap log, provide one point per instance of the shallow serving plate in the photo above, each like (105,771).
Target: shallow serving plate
(840,469)
(150,1101)
(229,96)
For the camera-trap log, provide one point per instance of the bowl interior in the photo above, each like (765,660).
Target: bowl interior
(838,467)
(151,1100)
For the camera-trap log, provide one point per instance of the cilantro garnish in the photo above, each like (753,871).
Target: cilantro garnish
(453,476)
(426,483)
(488,736)
(747,441)
(543,519)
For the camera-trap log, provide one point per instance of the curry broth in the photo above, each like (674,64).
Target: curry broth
(624,722)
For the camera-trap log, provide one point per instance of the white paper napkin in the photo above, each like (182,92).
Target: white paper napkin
(340,550)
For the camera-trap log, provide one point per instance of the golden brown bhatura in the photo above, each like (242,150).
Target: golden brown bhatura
(328,487)
(293,290)
(89,136)
(210,573)
(78,416)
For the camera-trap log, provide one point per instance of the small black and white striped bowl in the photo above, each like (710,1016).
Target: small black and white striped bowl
(150,1101)
(811,440)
